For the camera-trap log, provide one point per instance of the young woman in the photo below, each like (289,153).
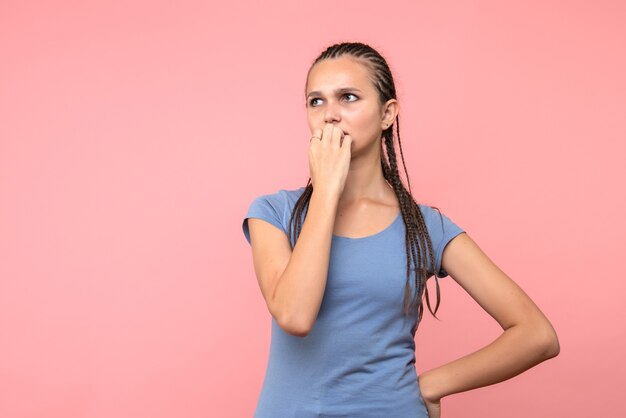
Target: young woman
(342,264)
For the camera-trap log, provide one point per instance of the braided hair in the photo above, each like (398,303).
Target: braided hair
(418,241)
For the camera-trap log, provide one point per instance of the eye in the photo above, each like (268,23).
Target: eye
(312,101)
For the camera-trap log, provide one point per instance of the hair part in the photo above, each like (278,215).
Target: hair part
(418,242)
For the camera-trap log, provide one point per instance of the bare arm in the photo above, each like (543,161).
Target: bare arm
(528,337)
(293,284)
(299,292)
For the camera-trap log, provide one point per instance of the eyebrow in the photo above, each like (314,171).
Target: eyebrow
(338,91)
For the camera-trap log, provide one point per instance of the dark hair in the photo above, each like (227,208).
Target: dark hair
(417,237)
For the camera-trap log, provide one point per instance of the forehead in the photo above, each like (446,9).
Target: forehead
(331,74)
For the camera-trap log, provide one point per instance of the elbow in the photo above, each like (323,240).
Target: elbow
(290,323)
(299,332)
(549,342)
(297,328)
(552,348)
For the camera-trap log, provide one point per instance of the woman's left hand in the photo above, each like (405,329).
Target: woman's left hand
(433,404)
(433,408)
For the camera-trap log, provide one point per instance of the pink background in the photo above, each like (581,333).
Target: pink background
(133,137)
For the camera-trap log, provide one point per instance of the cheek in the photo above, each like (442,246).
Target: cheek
(311,122)
(363,119)
(357,120)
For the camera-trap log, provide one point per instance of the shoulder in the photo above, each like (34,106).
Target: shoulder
(275,207)
(431,215)
(434,218)
(441,230)
(290,195)
(281,198)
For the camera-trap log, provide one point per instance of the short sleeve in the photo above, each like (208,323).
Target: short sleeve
(441,229)
(270,208)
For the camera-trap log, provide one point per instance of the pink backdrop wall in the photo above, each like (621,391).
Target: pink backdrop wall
(133,137)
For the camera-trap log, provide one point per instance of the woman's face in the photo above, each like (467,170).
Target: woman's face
(340,92)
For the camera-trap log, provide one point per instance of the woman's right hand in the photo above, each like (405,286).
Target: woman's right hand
(329,158)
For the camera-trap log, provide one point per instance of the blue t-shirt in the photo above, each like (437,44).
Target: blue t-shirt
(359,358)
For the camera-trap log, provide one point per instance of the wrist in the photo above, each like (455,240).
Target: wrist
(430,386)
(327,195)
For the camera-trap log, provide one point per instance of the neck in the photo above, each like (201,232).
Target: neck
(365,179)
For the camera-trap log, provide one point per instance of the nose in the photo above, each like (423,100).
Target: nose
(331,113)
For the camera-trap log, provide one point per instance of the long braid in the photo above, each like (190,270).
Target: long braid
(417,238)
(430,252)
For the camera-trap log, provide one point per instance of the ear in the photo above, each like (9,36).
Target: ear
(390,111)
